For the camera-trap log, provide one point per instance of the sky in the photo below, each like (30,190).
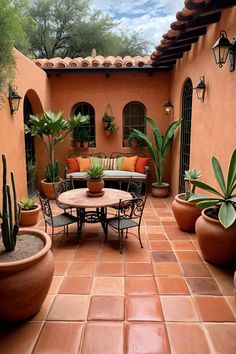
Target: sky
(151,17)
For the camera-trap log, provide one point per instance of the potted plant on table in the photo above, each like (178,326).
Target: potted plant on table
(216,227)
(26,267)
(185,212)
(158,153)
(29,211)
(95,182)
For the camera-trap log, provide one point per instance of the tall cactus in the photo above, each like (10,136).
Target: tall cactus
(9,228)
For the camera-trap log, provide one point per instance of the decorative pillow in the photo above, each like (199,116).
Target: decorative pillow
(140,163)
(128,163)
(109,163)
(72,164)
(119,161)
(96,161)
(84,163)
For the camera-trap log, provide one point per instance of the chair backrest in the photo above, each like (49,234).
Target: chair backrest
(63,186)
(45,206)
(135,188)
(132,208)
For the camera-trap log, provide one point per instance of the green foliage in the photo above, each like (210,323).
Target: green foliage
(107,118)
(95,172)
(224,200)
(134,136)
(189,176)
(112,127)
(27,203)
(10,213)
(158,152)
(52,172)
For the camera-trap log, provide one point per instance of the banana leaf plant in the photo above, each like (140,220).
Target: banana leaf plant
(159,150)
(225,199)
(51,128)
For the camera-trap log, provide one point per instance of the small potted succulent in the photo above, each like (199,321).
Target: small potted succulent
(185,212)
(29,211)
(95,182)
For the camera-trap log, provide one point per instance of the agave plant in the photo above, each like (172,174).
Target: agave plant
(159,151)
(224,200)
(189,177)
(27,203)
(95,172)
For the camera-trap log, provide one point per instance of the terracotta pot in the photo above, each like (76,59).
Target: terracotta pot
(108,132)
(78,144)
(86,144)
(185,213)
(160,190)
(48,189)
(24,284)
(95,185)
(216,243)
(29,217)
(133,143)
(106,124)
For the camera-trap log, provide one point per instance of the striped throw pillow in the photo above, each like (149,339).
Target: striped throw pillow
(109,163)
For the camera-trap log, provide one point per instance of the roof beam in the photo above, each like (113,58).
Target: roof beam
(177,50)
(205,20)
(190,33)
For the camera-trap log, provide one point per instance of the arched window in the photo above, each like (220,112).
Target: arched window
(87,109)
(133,117)
(185,132)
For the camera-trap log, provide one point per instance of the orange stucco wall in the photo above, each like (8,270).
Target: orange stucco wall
(213,131)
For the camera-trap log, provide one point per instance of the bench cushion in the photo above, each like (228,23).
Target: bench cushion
(109,175)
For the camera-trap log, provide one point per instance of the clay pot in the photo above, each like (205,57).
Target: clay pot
(24,284)
(78,144)
(134,144)
(160,190)
(85,144)
(48,188)
(29,217)
(185,213)
(216,243)
(95,185)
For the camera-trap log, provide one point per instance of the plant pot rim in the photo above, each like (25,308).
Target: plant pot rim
(215,221)
(47,245)
(162,185)
(45,181)
(36,207)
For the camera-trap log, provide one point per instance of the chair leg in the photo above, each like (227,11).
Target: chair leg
(139,237)
(121,237)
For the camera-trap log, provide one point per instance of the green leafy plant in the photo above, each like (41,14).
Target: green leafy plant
(107,118)
(27,203)
(10,210)
(189,176)
(224,202)
(79,126)
(134,136)
(112,127)
(95,172)
(159,151)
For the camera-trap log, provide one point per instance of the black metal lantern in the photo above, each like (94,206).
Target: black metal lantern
(201,88)
(221,49)
(14,99)
(168,107)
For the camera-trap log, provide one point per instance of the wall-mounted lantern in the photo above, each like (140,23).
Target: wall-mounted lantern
(14,99)
(223,48)
(168,106)
(201,88)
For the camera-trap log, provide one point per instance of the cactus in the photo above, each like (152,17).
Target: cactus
(52,172)
(9,213)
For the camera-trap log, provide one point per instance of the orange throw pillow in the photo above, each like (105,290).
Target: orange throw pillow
(140,163)
(84,163)
(72,165)
(128,163)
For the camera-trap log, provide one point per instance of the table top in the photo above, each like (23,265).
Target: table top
(78,198)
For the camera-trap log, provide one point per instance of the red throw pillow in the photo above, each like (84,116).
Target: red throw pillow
(140,163)
(72,165)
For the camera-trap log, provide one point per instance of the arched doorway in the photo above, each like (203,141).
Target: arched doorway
(185,132)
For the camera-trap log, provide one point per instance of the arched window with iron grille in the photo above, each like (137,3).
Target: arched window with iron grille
(133,117)
(87,109)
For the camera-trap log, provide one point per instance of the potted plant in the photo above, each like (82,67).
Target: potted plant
(216,227)
(135,140)
(158,153)
(107,119)
(80,130)
(95,182)
(112,128)
(185,212)
(26,267)
(29,212)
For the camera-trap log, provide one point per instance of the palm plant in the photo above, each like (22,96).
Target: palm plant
(159,151)
(224,200)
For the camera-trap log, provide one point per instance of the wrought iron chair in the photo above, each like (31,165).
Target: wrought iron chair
(60,220)
(63,186)
(129,215)
(134,188)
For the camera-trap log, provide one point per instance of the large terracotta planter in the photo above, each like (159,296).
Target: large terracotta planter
(160,190)
(24,284)
(95,186)
(185,213)
(218,245)
(29,217)
(48,189)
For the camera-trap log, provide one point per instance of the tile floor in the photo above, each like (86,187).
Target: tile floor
(160,299)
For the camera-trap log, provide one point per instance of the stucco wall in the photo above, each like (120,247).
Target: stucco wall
(213,121)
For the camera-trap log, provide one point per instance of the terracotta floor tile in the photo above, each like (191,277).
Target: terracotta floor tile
(157,237)
(146,338)
(213,309)
(232,303)
(188,256)
(59,338)
(76,285)
(186,338)
(63,255)
(110,269)
(195,270)
(19,338)
(134,245)
(171,286)
(108,286)
(55,284)
(154,230)
(138,256)
(143,308)
(222,336)
(60,268)
(163,256)
(138,269)
(138,285)
(111,256)
(160,245)
(107,308)
(85,256)
(167,269)
(203,286)
(103,338)
(179,308)
(69,308)
(226,285)
(81,269)
(42,314)
(182,245)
